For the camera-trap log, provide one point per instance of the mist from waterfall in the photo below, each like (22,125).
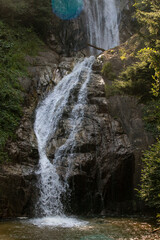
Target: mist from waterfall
(101,18)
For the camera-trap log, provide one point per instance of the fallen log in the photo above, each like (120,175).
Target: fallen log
(98,48)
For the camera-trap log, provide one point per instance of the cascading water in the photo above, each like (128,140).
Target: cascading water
(101,17)
(48,116)
(102,28)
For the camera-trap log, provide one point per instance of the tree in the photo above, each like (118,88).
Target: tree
(148,14)
(150,178)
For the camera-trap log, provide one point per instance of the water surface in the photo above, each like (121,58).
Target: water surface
(77,229)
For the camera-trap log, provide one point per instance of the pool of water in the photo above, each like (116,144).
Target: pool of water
(63,228)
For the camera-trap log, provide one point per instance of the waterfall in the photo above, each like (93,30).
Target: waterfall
(101,18)
(102,29)
(48,116)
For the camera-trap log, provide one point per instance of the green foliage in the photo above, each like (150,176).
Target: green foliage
(150,178)
(123,54)
(143,78)
(148,14)
(113,89)
(137,80)
(14,46)
(158,217)
(151,116)
(134,80)
(152,57)
(30,13)
(107,71)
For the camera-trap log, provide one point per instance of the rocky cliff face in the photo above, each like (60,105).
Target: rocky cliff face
(129,113)
(45,71)
(101,178)
(127,24)
(108,149)
(18,178)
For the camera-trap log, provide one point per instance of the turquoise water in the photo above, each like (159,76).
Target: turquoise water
(84,229)
(67,9)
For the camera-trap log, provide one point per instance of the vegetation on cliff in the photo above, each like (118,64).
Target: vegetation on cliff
(146,53)
(148,14)
(150,180)
(15,43)
(22,25)
(140,76)
(30,13)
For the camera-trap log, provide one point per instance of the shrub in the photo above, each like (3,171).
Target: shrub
(111,90)
(137,80)
(151,116)
(150,177)
(107,71)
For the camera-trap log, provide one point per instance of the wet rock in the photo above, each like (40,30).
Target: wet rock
(45,72)
(100,159)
